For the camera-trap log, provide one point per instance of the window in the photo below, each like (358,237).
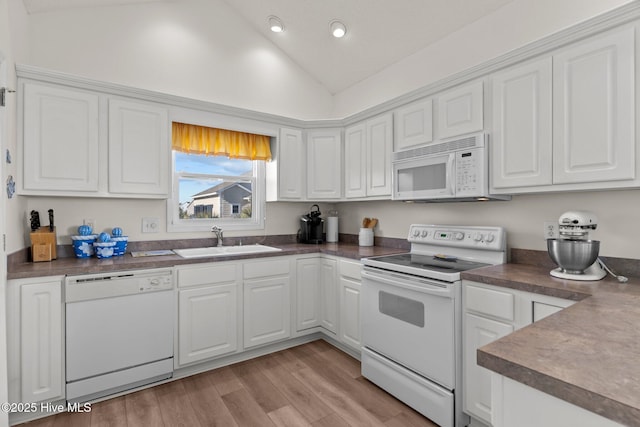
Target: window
(216,190)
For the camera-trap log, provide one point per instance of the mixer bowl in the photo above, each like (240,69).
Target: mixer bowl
(573,256)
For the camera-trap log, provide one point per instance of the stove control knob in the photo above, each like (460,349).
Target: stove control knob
(478,237)
(459,236)
(424,233)
(490,238)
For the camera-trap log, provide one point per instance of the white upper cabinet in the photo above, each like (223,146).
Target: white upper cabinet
(61,138)
(139,150)
(355,157)
(566,121)
(77,142)
(367,158)
(413,125)
(521,144)
(379,146)
(324,164)
(291,161)
(593,109)
(460,110)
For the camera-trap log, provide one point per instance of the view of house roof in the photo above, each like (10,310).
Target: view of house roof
(217,189)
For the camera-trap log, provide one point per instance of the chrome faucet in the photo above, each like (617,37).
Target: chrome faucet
(218,232)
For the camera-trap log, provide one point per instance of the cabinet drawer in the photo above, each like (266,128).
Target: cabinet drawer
(352,269)
(208,275)
(491,302)
(272,267)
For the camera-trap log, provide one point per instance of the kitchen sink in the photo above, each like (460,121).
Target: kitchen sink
(224,251)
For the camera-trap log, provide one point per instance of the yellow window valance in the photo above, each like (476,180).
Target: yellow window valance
(220,142)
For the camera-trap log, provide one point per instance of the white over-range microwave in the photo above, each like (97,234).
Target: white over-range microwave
(451,170)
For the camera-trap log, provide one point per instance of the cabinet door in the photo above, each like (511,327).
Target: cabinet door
(207,325)
(291,164)
(139,150)
(329,295)
(593,109)
(41,342)
(267,314)
(521,146)
(350,312)
(479,331)
(355,157)
(307,293)
(61,140)
(460,110)
(378,153)
(413,125)
(324,166)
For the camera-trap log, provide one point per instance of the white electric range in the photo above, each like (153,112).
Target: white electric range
(412,316)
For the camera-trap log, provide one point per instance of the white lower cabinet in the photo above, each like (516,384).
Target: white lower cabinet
(267,312)
(317,302)
(328,295)
(307,293)
(489,313)
(207,312)
(35,337)
(349,286)
(523,406)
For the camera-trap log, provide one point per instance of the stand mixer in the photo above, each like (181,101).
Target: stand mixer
(576,255)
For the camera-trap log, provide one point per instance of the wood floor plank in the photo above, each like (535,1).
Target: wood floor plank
(245,410)
(73,419)
(300,396)
(263,391)
(332,420)
(207,403)
(335,357)
(287,416)
(409,418)
(289,360)
(313,384)
(336,399)
(174,404)
(109,413)
(366,394)
(224,380)
(143,409)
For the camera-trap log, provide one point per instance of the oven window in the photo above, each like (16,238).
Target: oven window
(401,308)
(431,177)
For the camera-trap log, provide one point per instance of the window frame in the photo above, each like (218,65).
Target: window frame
(258,183)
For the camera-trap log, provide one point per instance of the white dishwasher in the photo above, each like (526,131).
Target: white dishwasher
(119,332)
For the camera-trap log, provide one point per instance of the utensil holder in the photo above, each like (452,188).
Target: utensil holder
(365,237)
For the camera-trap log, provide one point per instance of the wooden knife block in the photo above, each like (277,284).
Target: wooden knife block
(43,244)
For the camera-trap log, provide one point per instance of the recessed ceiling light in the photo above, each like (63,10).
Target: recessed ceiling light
(338,29)
(275,24)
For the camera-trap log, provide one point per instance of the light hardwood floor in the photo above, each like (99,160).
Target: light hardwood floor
(314,384)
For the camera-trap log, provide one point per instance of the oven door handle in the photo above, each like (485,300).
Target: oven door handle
(426,287)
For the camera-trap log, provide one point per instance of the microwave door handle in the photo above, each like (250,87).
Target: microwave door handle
(451,164)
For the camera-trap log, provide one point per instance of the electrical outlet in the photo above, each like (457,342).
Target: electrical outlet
(550,229)
(150,225)
(91,223)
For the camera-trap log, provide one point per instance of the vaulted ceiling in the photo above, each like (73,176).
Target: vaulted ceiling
(379,32)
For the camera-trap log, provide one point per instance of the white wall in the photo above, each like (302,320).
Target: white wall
(282,218)
(513,25)
(523,217)
(199,49)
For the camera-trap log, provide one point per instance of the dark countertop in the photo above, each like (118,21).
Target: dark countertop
(587,354)
(74,266)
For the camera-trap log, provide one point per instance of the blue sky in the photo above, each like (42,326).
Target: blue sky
(216,165)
